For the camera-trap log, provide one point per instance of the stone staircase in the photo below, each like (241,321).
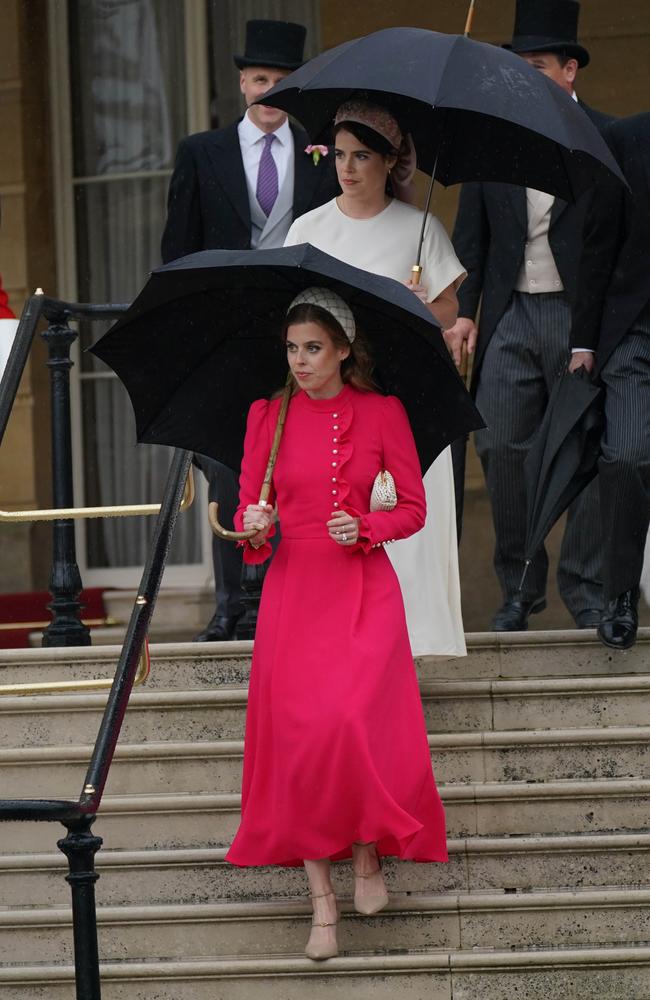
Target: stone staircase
(540,743)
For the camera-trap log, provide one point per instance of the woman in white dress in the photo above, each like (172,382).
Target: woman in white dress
(367,228)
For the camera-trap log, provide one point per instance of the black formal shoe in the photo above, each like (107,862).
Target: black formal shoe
(620,621)
(513,616)
(588,618)
(220,628)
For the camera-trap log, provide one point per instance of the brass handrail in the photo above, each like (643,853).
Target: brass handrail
(95,684)
(125,510)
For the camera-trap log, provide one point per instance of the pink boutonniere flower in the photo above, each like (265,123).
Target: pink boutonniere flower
(316,152)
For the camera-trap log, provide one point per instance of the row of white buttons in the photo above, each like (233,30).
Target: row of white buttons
(334,452)
(533,281)
(388,541)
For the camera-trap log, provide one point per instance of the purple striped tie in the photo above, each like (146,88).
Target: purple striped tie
(267,177)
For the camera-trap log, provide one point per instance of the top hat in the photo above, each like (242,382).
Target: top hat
(548,26)
(277,44)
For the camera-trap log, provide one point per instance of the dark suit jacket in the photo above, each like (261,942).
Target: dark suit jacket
(207,206)
(489,238)
(628,289)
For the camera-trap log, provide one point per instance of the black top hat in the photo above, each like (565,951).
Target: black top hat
(278,44)
(548,26)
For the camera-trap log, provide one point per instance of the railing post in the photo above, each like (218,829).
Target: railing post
(252,578)
(80,847)
(66,628)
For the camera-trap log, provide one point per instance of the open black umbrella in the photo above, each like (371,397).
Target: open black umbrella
(563,457)
(475,111)
(201,342)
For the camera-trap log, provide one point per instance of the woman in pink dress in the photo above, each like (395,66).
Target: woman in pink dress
(336,760)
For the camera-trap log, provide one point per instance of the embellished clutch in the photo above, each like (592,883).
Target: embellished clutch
(384,494)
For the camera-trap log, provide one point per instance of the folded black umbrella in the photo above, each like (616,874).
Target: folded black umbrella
(476,111)
(202,341)
(563,458)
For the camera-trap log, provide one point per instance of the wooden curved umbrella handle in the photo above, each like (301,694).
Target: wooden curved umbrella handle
(220,531)
(213,506)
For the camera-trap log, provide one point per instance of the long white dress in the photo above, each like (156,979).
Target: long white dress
(426,563)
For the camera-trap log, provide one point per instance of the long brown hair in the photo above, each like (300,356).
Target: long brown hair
(356,369)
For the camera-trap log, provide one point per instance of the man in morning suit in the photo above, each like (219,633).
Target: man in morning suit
(240,188)
(521,249)
(622,366)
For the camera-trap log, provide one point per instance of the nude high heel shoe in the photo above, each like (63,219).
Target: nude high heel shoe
(374,896)
(322,942)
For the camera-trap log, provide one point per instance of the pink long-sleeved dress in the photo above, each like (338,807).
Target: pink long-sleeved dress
(336,748)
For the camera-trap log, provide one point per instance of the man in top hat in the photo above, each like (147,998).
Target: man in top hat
(621,328)
(240,188)
(521,249)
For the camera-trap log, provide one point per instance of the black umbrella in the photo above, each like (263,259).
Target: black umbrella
(475,111)
(563,457)
(201,342)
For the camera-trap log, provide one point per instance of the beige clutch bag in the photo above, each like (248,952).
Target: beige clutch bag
(384,494)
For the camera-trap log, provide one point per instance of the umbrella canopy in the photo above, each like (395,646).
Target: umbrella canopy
(475,111)
(201,342)
(564,455)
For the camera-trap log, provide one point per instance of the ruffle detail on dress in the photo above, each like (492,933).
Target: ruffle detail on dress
(346,449)
(363,542)
(254,556)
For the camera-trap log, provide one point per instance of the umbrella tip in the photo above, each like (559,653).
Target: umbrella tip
(523,577)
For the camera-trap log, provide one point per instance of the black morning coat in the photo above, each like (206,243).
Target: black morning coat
(489,238)
(207,206)
(627,291)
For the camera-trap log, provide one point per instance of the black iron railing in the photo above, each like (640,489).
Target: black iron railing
(66,627)
(80,845)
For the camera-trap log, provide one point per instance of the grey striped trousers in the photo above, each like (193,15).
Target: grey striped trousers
(527,351)
(624,467)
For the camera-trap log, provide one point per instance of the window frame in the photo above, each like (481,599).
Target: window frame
(65,182)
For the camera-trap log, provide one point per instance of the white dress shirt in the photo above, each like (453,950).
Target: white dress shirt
(251,142)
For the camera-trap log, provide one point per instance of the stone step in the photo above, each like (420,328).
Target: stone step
(47,720)
(280,927)
(487,809)
(614,973)
(491,655)
(201,875)
(449,706)
(516,755)
(541,740)
(185,665)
